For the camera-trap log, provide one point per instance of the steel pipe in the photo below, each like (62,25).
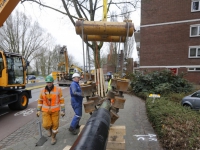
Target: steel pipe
(105,28)
(104,38)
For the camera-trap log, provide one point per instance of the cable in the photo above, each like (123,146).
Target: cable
(83,50)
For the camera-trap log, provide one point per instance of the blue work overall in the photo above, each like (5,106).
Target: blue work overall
(76,102)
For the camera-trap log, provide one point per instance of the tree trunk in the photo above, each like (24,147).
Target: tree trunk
(96,50)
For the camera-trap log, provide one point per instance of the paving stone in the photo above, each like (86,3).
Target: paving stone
(133,116)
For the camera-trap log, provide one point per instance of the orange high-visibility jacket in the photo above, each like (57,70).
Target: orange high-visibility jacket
(51,101)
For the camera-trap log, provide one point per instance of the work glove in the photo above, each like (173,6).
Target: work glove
(38,113)
(62,113)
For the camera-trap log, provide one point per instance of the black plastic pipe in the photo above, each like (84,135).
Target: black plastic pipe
(94,135)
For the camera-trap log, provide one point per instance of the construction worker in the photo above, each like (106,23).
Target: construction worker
(109,77)
(76,102)
(51,102)
(109,82)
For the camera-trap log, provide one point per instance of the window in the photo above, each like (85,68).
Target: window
(196,94)
(193,69)
(195,6)
(194,52)
(194,30)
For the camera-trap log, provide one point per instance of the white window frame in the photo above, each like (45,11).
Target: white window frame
(198,30)
(192,10)
(193,69)
(197,47)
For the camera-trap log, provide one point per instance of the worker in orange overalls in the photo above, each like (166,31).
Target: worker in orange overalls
(50,103)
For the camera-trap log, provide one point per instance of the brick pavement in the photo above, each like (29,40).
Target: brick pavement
(139,132)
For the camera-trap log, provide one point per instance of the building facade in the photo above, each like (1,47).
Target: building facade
(117,64)
(170,36)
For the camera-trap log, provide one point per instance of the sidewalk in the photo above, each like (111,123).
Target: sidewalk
(139,132)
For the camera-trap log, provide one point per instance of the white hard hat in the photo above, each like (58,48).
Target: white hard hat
(75,75)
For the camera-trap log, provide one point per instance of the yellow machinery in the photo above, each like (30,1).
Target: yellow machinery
(12,69)
(12,81)
(6,7)
(64,77)
(76,68)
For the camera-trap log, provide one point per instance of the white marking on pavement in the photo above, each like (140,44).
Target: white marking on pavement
(4,113)
(151,137)
(140,138)
(25,112)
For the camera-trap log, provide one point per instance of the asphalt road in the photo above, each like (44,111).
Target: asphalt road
(35,84)
(11,120)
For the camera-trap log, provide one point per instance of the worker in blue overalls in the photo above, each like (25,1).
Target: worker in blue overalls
(76,102)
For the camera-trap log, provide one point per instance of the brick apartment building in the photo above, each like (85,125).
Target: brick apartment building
(170,36)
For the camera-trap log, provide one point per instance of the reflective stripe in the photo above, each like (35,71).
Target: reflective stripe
(39,104)
(56,106)
(54,131)
(78,116)
(50,93)
(40,99)
(57,93)
(62,104)
(62,98)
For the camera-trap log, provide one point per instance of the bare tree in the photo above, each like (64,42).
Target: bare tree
(128,45)
(87,9)
(49,58)
(19,35)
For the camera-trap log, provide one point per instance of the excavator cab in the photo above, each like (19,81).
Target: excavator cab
(12,70)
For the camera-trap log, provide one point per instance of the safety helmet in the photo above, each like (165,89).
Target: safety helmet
(49,79)
(75,75)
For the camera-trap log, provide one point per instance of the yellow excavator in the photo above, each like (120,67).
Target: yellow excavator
(12,69)
(63,78)
(73,69)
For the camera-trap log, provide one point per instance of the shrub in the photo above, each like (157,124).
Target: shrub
(161,82)
(177,127)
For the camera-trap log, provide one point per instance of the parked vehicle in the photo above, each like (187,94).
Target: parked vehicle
(31,77)
(192,101)
(40,78)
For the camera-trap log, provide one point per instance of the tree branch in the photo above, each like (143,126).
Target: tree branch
(39,3)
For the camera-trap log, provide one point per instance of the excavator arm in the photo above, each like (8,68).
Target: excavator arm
(78,68)
(6,7)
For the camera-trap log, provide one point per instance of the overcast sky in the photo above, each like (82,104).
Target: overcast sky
(60,27)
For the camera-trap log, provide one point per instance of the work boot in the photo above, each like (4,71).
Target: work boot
(53,138)
(49,132)
(77,126)
(73,131)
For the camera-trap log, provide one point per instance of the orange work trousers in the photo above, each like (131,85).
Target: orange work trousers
(50,120)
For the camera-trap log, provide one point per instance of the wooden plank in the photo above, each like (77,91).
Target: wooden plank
(101,83)
(81,127)
(105,88)
(116,145)
(98,81)
(95,79)
(114,130)
(116,138)
(117,130)
(67,147)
